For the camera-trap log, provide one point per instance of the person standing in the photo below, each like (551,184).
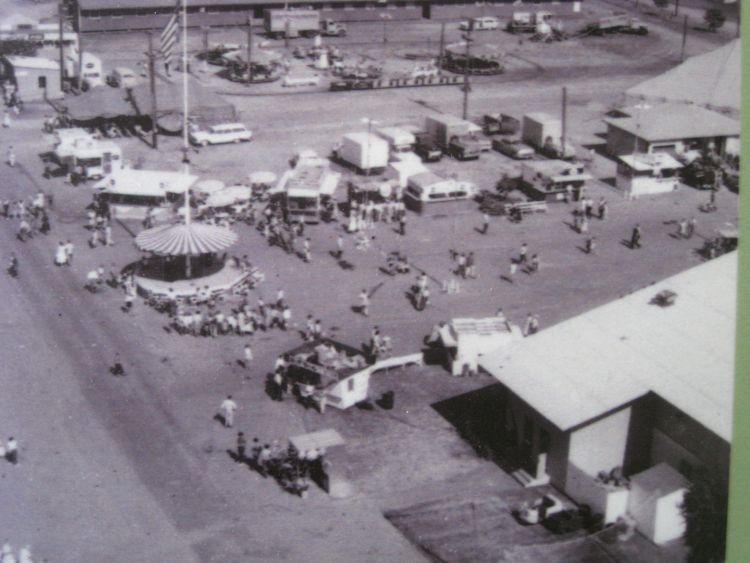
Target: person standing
(280,298)
(635,237)
(590,245)
(534,265)
(471,269)
(228,407)
(248,352)
(461,270)
(241,446)
(364,303)
(691,227)
(11,450)
(485,223)
(522,253)
(108,241)
(602,209)
(306,250)
(402,223)
(11,156)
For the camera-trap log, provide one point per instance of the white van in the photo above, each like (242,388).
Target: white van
(479,24)
(222,133)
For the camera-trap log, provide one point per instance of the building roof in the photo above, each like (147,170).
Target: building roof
(601,360)
(662,122)
(711,79)
(661,479)
(145,4)
(154,183)
(327,438)
(19,61)
(540,117)
(644,162)
(557,169)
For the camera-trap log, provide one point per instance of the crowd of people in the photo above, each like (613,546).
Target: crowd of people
(32,214)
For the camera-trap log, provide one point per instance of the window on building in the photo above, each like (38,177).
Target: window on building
(41,82)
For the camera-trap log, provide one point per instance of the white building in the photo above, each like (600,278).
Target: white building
(647,174)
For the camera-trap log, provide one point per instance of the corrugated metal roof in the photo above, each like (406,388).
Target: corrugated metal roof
(665,122)
(589,365)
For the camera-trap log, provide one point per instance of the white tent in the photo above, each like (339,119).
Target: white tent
(711,80)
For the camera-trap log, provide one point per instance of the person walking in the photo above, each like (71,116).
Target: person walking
(339,247)
(248,353)
(461,260)
(108,241)
(11,156)
(280,298)
(682,228)
(241,446)
(485,223)
(61,254)
(11,450)
(512,270)
(402,223)
(635,237)
(364,303)
(590,245)
(69,251)
(228,407)
(534,264)
(471,269)
(306,250)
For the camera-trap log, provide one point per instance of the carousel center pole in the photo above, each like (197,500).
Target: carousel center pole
(185,142)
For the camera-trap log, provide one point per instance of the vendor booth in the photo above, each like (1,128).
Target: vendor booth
(647,174)
(466,340)
(131,193)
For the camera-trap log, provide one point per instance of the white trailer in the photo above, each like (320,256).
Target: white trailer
(544,133)
(93,157)
(292,23)
(366,152)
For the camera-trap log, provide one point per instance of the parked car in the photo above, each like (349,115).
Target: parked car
(486,22)
(122,77)
(223,133)
(513,148)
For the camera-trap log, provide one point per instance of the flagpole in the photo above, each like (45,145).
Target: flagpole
(185,145)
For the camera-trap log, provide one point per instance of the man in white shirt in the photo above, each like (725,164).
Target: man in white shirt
(228,407)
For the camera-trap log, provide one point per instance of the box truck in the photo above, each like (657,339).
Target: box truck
(365,152)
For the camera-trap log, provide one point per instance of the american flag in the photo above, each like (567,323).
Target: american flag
(169,35)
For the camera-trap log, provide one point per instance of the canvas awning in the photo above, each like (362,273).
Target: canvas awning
(183,240)
(711,80)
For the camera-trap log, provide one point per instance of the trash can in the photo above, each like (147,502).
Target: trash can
(387,400)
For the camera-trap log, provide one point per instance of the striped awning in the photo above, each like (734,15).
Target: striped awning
(181,240)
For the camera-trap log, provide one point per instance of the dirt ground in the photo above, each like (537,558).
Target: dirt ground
(134,469)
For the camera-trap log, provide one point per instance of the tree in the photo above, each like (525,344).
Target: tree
(714,18)
(661,4)
(705,512)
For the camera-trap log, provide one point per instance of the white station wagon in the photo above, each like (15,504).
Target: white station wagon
(223,133)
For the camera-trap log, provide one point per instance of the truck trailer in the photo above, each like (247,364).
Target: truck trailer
(455,136)
(544,133)
(365,152)
(296,23)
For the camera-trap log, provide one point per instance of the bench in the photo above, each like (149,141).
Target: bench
(526,207)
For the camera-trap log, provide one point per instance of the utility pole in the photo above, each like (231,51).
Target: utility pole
(249,50)
(467,53)
(60,42)
(442,46)
(205,48)
(684,37)
(564,118)
(80,60)
(152,87)
(676,7)
(286,32)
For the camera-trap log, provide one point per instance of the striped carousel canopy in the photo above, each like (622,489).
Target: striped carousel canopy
(183,240)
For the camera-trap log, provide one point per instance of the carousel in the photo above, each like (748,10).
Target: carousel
(186,258)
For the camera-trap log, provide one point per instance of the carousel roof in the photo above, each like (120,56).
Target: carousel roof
(182,240)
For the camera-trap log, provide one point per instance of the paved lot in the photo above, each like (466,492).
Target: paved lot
(134,469)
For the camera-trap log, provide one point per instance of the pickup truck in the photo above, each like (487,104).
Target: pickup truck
(465,147)
(513,148)
(426,148)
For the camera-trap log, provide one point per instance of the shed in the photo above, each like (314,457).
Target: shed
(647,174)
(656,496)
(35,78)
